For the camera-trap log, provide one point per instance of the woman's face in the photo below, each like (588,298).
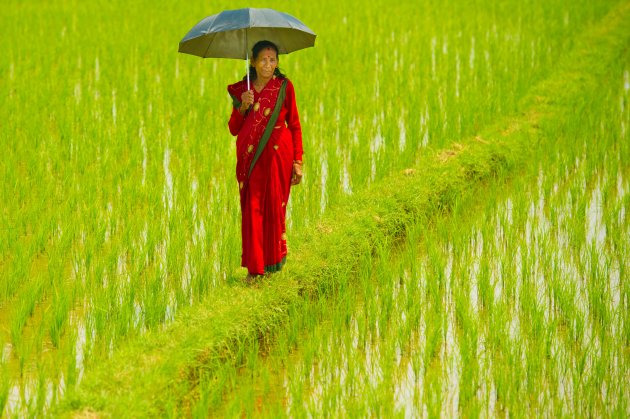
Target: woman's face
(266,63)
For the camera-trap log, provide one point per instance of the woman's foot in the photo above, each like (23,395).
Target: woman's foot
(251,278)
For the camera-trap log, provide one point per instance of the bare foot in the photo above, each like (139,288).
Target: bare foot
(251,278)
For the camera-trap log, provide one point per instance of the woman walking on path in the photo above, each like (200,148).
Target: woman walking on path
(269,158)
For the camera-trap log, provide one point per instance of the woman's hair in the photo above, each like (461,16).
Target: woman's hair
(259,46)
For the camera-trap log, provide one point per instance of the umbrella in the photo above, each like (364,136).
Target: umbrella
(232,34)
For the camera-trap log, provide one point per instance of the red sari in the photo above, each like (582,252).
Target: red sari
(265,181)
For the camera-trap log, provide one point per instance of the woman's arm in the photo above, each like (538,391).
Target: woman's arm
(238,107)
(293,122)
(236,121)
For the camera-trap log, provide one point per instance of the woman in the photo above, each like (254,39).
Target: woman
(269,158)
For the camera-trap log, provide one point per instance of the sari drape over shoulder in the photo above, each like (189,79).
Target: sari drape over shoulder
(264,169)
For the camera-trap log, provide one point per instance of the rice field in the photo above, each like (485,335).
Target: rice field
(515,304)
(120,208)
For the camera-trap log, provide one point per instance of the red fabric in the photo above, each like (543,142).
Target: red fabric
(264,194)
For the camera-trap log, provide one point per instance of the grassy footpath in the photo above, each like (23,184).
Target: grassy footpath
(156,374)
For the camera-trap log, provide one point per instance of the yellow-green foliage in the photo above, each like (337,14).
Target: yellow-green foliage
(119,205)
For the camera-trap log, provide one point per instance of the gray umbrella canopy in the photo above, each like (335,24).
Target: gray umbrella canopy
(233,33)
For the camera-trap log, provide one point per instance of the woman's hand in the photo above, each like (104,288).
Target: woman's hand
(247,100)
(296,177)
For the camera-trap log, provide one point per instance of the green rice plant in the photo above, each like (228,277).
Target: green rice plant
(60,307)
(41,394)
(4,387)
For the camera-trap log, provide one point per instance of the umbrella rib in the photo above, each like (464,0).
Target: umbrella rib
(209,45)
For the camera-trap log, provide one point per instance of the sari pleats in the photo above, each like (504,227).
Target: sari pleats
(263,207)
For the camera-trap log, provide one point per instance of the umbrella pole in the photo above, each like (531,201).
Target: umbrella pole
(247,67)
(247,58)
